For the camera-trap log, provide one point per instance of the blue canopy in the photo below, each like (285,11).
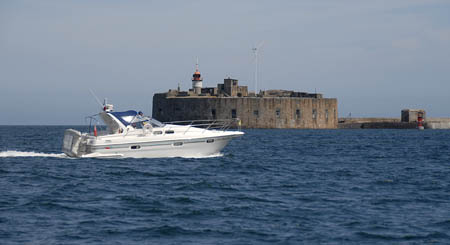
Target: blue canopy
(124,117)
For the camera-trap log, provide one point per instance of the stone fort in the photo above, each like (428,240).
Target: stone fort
(266,109)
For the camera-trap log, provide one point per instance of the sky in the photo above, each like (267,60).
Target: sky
(375,57)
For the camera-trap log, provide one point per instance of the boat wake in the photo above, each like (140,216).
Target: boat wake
(209,156)
(31,154)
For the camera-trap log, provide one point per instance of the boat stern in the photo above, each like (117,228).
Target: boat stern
(74,143)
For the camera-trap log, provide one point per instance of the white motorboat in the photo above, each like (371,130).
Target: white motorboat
(130,134)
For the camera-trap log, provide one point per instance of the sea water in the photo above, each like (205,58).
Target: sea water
(268,187)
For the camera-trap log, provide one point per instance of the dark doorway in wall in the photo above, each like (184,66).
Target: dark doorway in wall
(298,114)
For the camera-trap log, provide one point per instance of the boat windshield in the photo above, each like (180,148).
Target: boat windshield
(156,123)
(140,122)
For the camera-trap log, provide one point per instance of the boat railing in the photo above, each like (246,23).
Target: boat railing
(216,124)
(102,130)
(94,124)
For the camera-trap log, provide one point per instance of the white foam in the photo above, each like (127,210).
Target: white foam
(209,156)
(30,154)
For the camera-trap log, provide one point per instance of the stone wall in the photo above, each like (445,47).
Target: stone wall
(254,112)
(377,125)
(411,115)
(437,123)
(368,120)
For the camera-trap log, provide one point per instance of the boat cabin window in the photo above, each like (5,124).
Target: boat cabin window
(169,132)
(157,132)
(135,147)
(178,144)
(210,141)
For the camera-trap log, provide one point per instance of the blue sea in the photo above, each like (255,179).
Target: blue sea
(268,187)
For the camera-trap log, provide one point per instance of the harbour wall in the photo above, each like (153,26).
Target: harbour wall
(254,112)
(374,123)
(391,123)
(437,123)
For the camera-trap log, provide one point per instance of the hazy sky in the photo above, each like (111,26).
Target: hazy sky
(376,57)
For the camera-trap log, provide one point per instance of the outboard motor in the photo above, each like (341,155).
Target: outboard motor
(74,143)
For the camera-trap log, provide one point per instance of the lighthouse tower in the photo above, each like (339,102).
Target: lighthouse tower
(197,80)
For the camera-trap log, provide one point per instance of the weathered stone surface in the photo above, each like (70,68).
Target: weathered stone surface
(437,123)
(377,125)
(254,112)
(411,115)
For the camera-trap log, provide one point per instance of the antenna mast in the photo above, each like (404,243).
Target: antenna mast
(196,65)
(255,50)
(96,98)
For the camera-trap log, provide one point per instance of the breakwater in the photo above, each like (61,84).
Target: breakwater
(390,123)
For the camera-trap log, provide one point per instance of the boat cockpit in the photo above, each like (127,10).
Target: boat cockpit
(125,121)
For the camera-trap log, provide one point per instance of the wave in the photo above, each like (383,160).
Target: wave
(31,154)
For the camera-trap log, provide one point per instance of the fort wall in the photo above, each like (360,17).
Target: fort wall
(254,112)
(264,109)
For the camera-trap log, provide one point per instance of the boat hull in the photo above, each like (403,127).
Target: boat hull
(170,148)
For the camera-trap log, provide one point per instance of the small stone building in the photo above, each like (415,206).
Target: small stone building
(411,115)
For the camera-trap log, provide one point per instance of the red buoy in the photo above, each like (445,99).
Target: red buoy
(95,130)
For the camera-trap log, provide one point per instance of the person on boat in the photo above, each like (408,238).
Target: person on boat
(142,118)
(139,120)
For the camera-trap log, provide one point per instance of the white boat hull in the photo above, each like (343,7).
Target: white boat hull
(176,148)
